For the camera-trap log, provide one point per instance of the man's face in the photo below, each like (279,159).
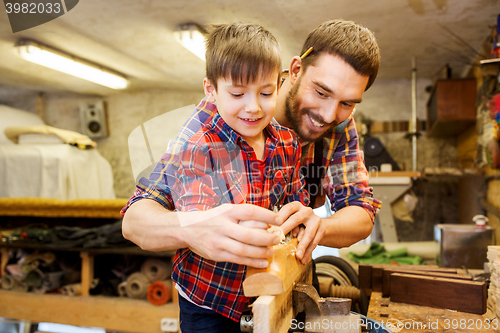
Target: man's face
(323,96)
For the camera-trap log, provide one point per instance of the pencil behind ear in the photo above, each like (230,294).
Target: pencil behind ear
(209,90)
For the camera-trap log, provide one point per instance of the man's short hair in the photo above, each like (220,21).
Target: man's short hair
(241,52)
(352,42)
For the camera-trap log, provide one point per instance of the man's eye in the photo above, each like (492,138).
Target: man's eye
(320,93)
(348,105)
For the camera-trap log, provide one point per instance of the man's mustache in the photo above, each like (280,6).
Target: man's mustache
(318,119)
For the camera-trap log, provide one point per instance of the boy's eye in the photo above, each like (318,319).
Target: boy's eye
(267,94)
(236,95)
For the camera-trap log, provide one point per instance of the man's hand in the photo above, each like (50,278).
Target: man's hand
(306,225)
(218,234)
(221,235)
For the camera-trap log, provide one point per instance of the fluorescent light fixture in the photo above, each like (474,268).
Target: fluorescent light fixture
(45,56)
(191,37)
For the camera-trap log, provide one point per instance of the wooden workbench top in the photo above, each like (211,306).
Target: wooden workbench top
(402,317)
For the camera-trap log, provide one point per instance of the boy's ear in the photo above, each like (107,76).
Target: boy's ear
(209,90)
(295,69)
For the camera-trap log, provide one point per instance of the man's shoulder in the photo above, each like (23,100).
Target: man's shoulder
(339,130)
(203,136)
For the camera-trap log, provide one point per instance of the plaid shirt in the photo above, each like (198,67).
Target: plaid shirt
(217,166)
(345,182)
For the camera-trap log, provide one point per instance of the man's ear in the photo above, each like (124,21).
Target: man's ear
(209,90)
(295,69)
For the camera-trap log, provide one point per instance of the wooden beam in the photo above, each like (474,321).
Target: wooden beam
(377,271)
(386,279)
(4,259)
(464,296)
(274,314)
(87,273)
(365,276)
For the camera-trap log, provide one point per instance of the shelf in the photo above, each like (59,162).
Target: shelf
(412,174)
(112,313)
(121,314)
(52,208)
(129,250)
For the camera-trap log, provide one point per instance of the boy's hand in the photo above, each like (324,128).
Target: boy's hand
(306,225)
(217,234)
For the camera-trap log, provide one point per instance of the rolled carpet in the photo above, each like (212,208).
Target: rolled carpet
(160,292)
(156,269)
(137,285)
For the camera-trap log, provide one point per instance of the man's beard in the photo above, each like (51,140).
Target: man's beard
(294,115)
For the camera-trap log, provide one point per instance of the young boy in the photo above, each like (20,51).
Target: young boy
(238,156)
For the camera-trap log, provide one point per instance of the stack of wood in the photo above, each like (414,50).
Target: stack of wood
(493,265)
(425,285)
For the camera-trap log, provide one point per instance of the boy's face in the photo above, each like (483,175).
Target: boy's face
(323,96)
(247,108)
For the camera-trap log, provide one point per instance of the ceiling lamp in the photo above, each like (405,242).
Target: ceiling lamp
(66,63)
(190,35)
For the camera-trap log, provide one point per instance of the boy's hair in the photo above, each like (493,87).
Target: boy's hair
(352,42)
(241,52)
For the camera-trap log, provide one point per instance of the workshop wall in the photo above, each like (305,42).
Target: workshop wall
(390,101)
(125,112)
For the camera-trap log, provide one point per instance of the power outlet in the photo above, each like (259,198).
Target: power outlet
(169,325)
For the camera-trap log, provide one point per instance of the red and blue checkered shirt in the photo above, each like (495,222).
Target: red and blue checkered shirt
(345,180)
(217,166)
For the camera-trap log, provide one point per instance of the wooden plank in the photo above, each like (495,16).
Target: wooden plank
(386,279)
(377,274)
(282,272)
(409,318)
(365,276)
(378,269)
(464,296)
(273,314)
(112,313)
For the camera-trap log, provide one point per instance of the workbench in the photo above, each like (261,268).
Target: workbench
(408,318)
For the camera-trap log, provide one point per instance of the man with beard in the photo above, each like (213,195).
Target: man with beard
(340,60)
